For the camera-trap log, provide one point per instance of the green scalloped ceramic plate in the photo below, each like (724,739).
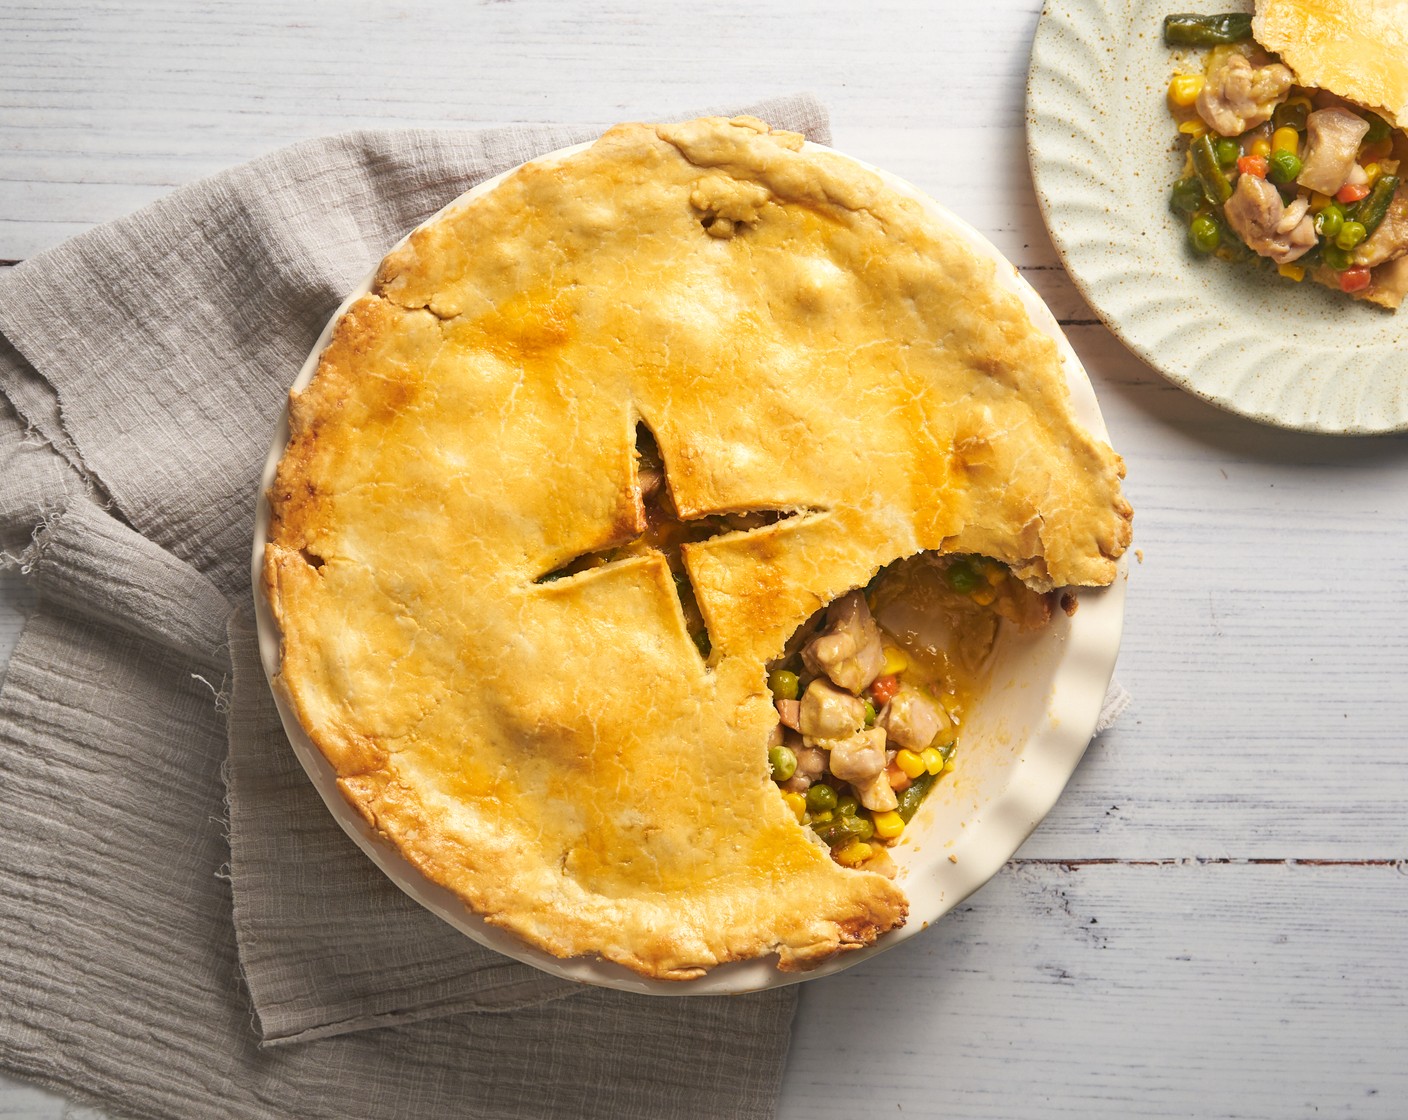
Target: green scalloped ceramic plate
(1103,157)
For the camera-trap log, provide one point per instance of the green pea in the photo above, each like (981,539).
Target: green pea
(847,805)
(1228,151)
(1186,196)
(1204,234)
(702,643)
(784,685)
(1337,258)
(1284,167)
(1329,221)
(783,763)
(961,576)
(821,797)
(870,714)
(1350,235)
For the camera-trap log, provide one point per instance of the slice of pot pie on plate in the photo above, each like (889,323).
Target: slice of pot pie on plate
(574,544)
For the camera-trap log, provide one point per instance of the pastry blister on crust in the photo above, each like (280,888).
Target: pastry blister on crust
(798,338)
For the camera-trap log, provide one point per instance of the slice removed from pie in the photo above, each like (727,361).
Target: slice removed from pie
(479,631)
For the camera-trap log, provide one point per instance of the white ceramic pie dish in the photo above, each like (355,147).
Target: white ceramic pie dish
(1022,741)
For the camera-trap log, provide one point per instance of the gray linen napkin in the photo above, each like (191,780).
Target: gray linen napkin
(175,902)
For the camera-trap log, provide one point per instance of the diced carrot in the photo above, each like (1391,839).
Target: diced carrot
(1352,192)
(898,779)
(884,689)
(1355,279)
(1253,165)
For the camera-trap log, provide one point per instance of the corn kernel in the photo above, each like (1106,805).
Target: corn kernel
(911,763)
(1261,146)
(1373,171)
(797,803)
(984,596)
(1294,272)
(948,767)
(1196,129)
(1184,89)
(854,853)
(1286,140)
(933,759)
(996,574)
(895,662)
(888,825)
(1319,201)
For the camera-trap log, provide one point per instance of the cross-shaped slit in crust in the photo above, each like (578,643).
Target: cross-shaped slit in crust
(665,532)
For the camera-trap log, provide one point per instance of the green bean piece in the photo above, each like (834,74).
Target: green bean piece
(1350,235)
(1204,234)
(1187,30)
(782,762)
(1378,128)
(911,798)
(783,685)
(820,798)
(1283,167)
(1337,258)
(1329,221)
(840,831)
(1216,186)
(1289,115)
(1374,208)
(1186,196)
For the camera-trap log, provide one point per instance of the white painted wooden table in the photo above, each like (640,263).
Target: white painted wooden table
(1214,920)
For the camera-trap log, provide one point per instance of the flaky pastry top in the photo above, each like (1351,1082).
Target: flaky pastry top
(799,338)
(1355,48)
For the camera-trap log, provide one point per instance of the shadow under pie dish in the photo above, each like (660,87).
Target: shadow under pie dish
(598,450)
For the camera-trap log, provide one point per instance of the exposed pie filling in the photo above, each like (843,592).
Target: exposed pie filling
(871,695)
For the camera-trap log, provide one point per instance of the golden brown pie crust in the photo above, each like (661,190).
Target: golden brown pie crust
(798,337)
(1356,50)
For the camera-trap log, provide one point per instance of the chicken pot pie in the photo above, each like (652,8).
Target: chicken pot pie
(603,449)
(1295,134)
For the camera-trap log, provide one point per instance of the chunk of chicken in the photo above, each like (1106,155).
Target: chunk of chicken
(790,713)
(811,764)
(1390,240)
(1255,211)
(829,713)
(912,720)
(1332,138)
(876,794)
(1237,96)
(1390,284)
(849,652)
(859,758)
